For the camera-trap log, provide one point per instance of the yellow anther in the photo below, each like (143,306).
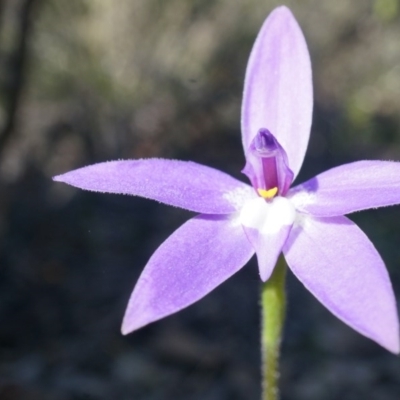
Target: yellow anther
(268,194)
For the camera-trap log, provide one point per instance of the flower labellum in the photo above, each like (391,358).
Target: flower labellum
(327,252)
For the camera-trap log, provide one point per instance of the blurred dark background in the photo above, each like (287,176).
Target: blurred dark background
(84,81)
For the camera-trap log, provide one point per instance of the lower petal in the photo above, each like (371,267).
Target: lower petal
(267,226)
(336,262)
(196,258)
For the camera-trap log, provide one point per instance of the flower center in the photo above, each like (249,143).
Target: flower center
(268,194)
(267,217)
(267,166)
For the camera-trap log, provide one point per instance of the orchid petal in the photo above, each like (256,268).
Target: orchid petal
(348,188)
(278,87)
(188,185)
(338,264)
(196,258)
(267,226)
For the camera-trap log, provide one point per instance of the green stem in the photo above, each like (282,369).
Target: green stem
(272,313)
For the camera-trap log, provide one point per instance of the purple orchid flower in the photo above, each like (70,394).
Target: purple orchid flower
(327,252)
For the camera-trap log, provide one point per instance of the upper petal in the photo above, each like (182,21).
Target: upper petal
(196,258)
(338,264)
(348,188)
(278,87)
(183,184)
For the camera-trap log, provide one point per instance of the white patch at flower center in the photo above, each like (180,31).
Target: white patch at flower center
(267,217)
(238,197)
